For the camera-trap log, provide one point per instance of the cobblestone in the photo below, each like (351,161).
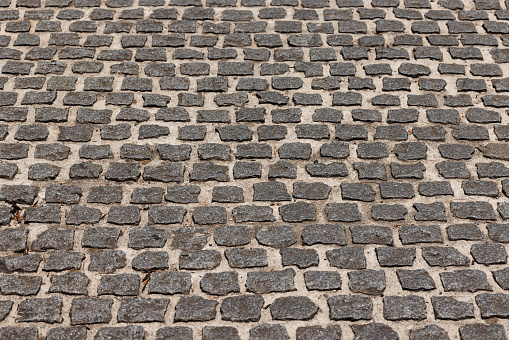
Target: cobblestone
(254,169)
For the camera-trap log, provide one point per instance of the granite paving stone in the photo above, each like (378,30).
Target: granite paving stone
(254,169)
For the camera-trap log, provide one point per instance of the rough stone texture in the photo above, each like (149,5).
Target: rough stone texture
(140,309)
(374,330)
(40,310)
(317,332)
(220,283)
(367,281)
(482,331)
(130,332)
(254,169)
(293,308)
(195,308)
(431,331)
(350,307)
(493,305)
(90,311)
(467,280)
(448,308)
(404,308)
(242,308)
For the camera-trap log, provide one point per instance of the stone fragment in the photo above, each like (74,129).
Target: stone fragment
(293,308)
(46,310)
(374,330)
(277,237)
(482,331)
(222,283)
(367,281)
(140,309)
(195,308)
(465,281)
(268,332)
(73,283)
(410,307)
(90,310)
(448,308)
(121,285)
(264,282)
(350,307)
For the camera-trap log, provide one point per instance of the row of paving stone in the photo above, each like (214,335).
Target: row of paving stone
(185,99)
(264,13)
(198,13)
(352,257)
(220,84)
(298,33)
(316,54)
(71,195)
(246,170)
(261,86)
(291,115)
(292,212)
(423,31)
(195,238)
(167,77)
(342,77)
(451,4)
(453,167)
(251,116)
(212,215)
(395,130)
(243,133)
(248,308)
(158,21)
(260,332)
(208,171)
(192,240)
(403,151)
(365,281)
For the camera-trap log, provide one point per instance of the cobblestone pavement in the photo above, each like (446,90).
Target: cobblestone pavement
(254,169)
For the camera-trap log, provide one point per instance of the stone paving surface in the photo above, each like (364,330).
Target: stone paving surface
(254,169)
